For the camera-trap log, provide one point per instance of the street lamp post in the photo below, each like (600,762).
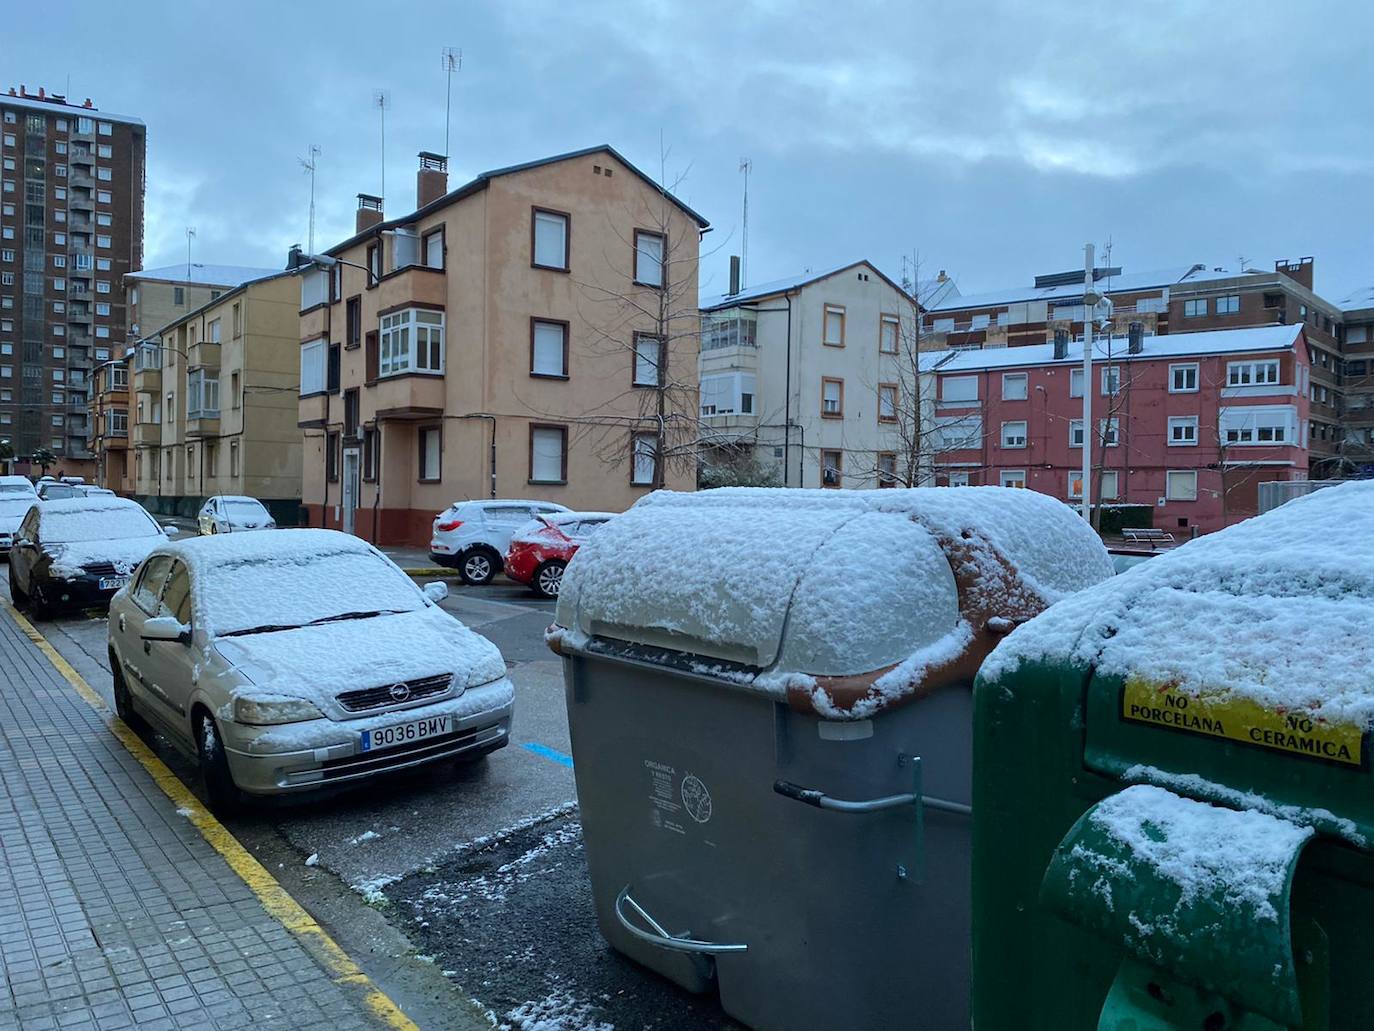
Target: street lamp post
(328,261)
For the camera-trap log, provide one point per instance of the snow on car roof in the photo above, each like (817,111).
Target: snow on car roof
(1276,609)
(561,518)
(292,545)
(235,497)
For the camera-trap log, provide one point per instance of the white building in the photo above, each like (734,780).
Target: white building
(806,375)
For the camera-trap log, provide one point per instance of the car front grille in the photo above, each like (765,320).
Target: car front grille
(381,697)
(100,568)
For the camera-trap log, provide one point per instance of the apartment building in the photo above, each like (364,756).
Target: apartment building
(810,376)
(156,297)
(515,337)
(214,402)
(1187,424)
(1357,383)
(71,226)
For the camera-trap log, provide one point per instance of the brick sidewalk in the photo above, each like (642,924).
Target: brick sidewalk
(114,911)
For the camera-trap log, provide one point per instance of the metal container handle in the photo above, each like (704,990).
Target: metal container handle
(821,800)
(662,938)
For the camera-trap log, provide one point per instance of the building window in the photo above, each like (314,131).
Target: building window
(548,454)
(237,320)
(1244,374)
(889,332)
(333,372)
(549,239)
(833,326)
(1014,386)
(104,196)
(374,264)
(233,458)
(1258,426)
(105,128)
(887,469)
(832,468)
(1183,379)
(336,284)
(412,341)
(213,335)
(331,457)
(431,450)
(1111,381)
(434,248)
(1075,433)
(234,391)
(353,321)
(202,395)
(1228,305)
(887,402)
(1181,485)
(729,393)
(103,174)
(1012,477)
(648,360)
(1182,430)
(370,455)
(650,254)
(104,219)
(1195,308)
(1109,480)
(1014,434)
(959,389)
(178,295)
(1109,432)
(832,398)
(102,307)
(312,368)
(644,471)
(548,348)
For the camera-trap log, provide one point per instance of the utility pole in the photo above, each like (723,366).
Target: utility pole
(453,61)
(190,235)
(1090,298)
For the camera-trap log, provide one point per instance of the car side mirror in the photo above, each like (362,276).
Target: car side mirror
(169,530)
(166,628)
(436,591)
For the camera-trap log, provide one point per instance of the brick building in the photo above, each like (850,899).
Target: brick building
(71,227)
(1187,425)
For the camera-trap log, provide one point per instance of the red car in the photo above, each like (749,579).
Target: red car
(540,552)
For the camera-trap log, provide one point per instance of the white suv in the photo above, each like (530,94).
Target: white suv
(471,536)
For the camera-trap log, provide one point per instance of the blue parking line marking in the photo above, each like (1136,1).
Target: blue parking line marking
(548,753)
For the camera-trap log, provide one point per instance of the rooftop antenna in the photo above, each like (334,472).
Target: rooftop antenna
(190,235)
(453,62)
(745,166)
(381,100)
(308,164)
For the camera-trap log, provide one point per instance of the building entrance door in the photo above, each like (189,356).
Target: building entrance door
(352,459)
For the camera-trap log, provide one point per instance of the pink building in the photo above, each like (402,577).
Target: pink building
(1187,426)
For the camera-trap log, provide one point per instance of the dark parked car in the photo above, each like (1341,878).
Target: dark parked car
(77,552)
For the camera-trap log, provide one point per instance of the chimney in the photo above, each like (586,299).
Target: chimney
(1135,338)
(1300,270)
(294,258)
(431,181)
(369,211)
(734,274)
(1061,344)
(941,277)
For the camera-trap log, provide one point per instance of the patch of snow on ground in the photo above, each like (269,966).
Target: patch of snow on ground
(497,886)
(368,835)
(557,1011)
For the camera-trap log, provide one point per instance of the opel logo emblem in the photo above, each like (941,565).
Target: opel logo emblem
(400,692)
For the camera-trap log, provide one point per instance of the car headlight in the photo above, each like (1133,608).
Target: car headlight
(266,710)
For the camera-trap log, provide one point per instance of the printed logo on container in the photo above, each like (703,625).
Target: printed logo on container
(1245,721)
(696,799)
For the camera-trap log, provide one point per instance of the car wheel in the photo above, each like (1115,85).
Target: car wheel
(214,528)
(124,701)
(478,566)
(220,788)
(39,607)
(548,578)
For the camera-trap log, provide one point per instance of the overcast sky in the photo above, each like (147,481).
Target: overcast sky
(991,139)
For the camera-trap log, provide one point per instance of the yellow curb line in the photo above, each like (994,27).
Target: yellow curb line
(274,898)
(440,571)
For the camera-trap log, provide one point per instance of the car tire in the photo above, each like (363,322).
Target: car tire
(221,791)
(124,701)
(548,578)
(478,566)
(39,607)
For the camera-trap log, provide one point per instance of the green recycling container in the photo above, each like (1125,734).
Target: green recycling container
(1172,795)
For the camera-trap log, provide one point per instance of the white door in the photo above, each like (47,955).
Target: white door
(352,459)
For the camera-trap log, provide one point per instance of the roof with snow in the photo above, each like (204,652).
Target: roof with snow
(1361,298)
(787,285)
(1171,345)
(1127,282)
(61,109)
(200,274)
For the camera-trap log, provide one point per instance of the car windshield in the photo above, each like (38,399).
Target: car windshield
(264,595)
(240,510)
(60,491)
(96,524)
(16,488)
(13,508)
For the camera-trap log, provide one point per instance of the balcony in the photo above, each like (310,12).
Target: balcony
(79,201)
(76,177)
(149,380)
(203,423)
(147,434)
(203,354)
(415,284)
(408,396)
(314,410)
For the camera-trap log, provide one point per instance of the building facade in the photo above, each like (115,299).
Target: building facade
(1187,425)
(1357,383)
(811,377)
(516,337)
(214,403)
(71,226)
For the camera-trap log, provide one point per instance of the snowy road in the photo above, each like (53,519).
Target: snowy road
(479,869)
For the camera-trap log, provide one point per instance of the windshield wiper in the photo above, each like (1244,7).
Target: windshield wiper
(267,628)
(368,614)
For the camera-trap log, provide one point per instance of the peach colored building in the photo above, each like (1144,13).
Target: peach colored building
(506,339)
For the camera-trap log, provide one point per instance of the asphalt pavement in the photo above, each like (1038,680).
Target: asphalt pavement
(453,884)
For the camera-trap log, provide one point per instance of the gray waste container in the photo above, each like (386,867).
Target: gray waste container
(768,697)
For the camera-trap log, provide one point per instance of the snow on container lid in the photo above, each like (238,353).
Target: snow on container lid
(1276,610)
(841,601)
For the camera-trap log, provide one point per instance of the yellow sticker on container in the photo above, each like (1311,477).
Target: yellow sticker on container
(1244,720)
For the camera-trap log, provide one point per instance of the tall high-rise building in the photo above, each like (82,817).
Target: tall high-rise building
(71,227)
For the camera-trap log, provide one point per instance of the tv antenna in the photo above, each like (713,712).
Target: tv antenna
(309,164)
(453,62)
(190,235)
(745,166)
(381,100)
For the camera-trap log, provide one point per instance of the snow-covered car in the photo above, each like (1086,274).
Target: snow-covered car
(56,490)
(297,660)
(77,552)
(542,549)
(472,536)
(14,505)
(229,513)
(11,485)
